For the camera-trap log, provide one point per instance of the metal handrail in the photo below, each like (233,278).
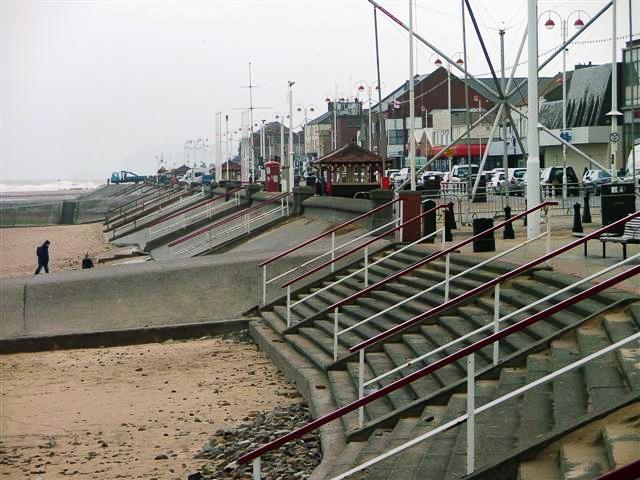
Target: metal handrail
(428,369)
(135,200)
(631,470)
(159,195)
(505,276)
(489,326)
(473,411)
(368,242)
(246,224)
(435,256)
(228,219)
(141,211)
(324,234)
(193,207)
(153,212)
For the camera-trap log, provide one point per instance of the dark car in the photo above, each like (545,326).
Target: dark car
(594,179)
(551,181)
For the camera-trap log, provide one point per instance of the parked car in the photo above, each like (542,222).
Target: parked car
(516,184)
(594,179)
(497,181)
(430,180)
(551,181)
(460,173)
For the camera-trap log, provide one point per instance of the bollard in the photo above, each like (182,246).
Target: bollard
(451,218)
(448,237)
(577,224)
(586,214)
(508,228)
(429,221)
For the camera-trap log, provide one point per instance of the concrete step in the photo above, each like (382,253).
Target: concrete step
(583,462)
(635,312)
(274,321)
(520,299)
(281,311)
(622,443)
(400,353)
(458,327)
(377,408)
(324,341)
(310,349)
(539,289)
(479,274)
(619,326)
(570,399)
(374,447)
(352,314)
(344,392)
(383,321)
(440,336)
(380,363)
(414,307)
(428,278)
(345,340)
(541,468)
(603,377)
(537,418)
(435,336)
(346,459)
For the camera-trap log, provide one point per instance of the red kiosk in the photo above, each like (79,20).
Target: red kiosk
(272,172)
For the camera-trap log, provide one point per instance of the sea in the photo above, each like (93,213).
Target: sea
(19,186)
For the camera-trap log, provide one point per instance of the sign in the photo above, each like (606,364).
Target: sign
(566,135)
(614,137)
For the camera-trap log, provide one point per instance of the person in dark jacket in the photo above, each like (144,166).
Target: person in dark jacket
(87,262)
(43,257)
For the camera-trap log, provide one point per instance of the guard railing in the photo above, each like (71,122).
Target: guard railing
(242,222)
(137,204)
(157,211)
(472,410)
(462,353)
(114,212)
(331,252)
(191,215)
(365,270)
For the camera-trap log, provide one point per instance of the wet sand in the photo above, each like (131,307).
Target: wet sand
(69,243)
(109,413)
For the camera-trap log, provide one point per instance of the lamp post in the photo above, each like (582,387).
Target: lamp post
(308,109)
(368,87)
(438,63)
(334,99)
(549,24)
(290,175)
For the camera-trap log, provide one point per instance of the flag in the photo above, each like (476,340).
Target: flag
(396,104)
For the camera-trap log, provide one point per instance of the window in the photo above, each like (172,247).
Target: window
(631,74)
(396,137)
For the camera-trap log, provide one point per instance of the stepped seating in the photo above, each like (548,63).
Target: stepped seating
(438,398)
(542,413)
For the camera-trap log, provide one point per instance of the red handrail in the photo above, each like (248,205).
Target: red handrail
(628,472)
(505,276)
(368,242)
(324,234)
(134,200)
(228,219)
(193,207)
(140,212)
(432,367)
(137,208)
(435,256)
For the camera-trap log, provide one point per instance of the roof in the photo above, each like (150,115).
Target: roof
(398,92)
(233,166)
(321,119)
(349,153)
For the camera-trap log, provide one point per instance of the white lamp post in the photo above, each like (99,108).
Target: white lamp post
(549,24)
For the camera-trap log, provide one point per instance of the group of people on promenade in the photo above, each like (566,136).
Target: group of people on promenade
(42,253)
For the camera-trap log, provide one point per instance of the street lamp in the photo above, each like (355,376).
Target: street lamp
(549,24)
(362,87)
(334,99)
(438,62)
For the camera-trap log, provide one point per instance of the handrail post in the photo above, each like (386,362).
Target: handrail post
(256,469)
(264,285)
(366,266)
(446,275)
(335,334)
(288,306)
(471,414)
(496,322)
(333,251)
(361,386)
(401,210)
(548,219)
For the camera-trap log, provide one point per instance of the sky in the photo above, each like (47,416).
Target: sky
(87,88)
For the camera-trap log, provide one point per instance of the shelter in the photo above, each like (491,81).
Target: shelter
(351,169)
(231,171)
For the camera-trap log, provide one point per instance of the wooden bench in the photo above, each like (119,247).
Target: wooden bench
(631,234)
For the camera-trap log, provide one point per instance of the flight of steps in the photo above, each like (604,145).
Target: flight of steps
(520,423)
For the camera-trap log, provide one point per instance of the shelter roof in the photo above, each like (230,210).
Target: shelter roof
(349,153)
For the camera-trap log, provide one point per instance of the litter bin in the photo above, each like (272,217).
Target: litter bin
(486,243)
(618,201)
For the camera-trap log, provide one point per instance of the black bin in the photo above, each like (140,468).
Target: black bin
(618,201)
(486,243)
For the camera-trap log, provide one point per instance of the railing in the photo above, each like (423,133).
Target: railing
(628,472)
(119,209)
(468,352)
(201,240)
(365,269)
(464,352)
(141,210)
(125,209)
(266,281)
(190,215)
(169,204)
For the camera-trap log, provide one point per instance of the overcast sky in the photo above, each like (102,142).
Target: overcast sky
(92,87)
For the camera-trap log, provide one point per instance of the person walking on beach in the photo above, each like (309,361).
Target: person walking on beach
(87,262)
(43,257)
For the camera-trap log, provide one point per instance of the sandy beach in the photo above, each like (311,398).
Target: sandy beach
(69,243)
(128,412)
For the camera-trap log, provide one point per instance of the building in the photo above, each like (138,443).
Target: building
(272,132)
(333,129)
